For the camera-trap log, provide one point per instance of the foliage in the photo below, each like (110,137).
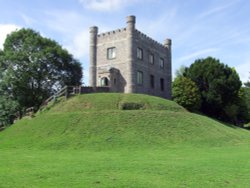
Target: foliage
(219,86)
(186,93)
(34,67)
(8,108)
(245,103)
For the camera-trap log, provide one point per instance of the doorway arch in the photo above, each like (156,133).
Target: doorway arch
(104,81)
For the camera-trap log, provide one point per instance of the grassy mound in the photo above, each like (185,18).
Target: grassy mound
(119,140)
(105,121)
(115,101)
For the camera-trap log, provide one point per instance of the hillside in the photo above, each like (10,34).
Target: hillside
(121,140)
(105,121)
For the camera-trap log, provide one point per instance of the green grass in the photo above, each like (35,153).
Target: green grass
(92,141)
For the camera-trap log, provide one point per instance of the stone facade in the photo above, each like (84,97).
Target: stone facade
(128,61)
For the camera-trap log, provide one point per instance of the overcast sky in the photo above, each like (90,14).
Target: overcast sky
(198,28)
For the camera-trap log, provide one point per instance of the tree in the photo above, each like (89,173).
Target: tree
(244,102)
(8,108)
(218,84)
(186,93)
(33,67)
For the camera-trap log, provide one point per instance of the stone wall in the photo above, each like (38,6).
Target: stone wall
(117,39)
(85,90)
(150,46)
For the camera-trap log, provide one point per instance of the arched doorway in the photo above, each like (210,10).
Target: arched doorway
(104,81)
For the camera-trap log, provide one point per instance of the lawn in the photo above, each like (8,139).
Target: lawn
(96,141)
(171,167)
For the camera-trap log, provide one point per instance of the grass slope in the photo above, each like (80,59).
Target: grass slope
(95,141)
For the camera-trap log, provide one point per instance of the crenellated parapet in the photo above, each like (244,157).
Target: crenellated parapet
(149,39)
(111,33)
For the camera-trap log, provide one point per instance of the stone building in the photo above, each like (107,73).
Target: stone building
(128,61)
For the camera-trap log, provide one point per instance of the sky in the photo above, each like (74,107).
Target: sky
(198,28)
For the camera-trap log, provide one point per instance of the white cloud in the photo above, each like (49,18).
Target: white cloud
(243,71)
(106,5)
(6,29)
(79,44)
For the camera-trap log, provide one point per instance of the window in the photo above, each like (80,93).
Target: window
(139,78)
(152,81)
(151,58)
(162,84)
(161,63)
(104,81)
(139,53)
(111,53)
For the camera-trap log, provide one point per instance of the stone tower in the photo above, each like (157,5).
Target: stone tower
(128,61)
(92,56)
(130,58)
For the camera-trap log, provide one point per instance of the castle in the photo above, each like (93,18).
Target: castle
(128,61)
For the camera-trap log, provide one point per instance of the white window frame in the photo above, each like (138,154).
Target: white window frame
(111,53)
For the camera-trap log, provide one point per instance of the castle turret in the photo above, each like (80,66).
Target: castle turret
(131,23)
(168,45)
(92,55)
(130,35)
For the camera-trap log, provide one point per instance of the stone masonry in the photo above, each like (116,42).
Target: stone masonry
(128,61)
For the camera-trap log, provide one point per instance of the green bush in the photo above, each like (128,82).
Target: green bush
(186,93)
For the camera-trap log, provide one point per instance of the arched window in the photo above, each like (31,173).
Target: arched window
(104,81)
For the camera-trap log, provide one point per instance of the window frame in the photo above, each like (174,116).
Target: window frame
(161,63)
(139,78)
(139,53)
(111,53)
(151,60)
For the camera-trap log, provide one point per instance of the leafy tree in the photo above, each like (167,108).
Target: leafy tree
(218,84)
(186,93)
(33,67)
(244,102)
(8,109)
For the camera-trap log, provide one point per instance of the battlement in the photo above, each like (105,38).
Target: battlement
(137,32)
(144,36)
(110,33)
